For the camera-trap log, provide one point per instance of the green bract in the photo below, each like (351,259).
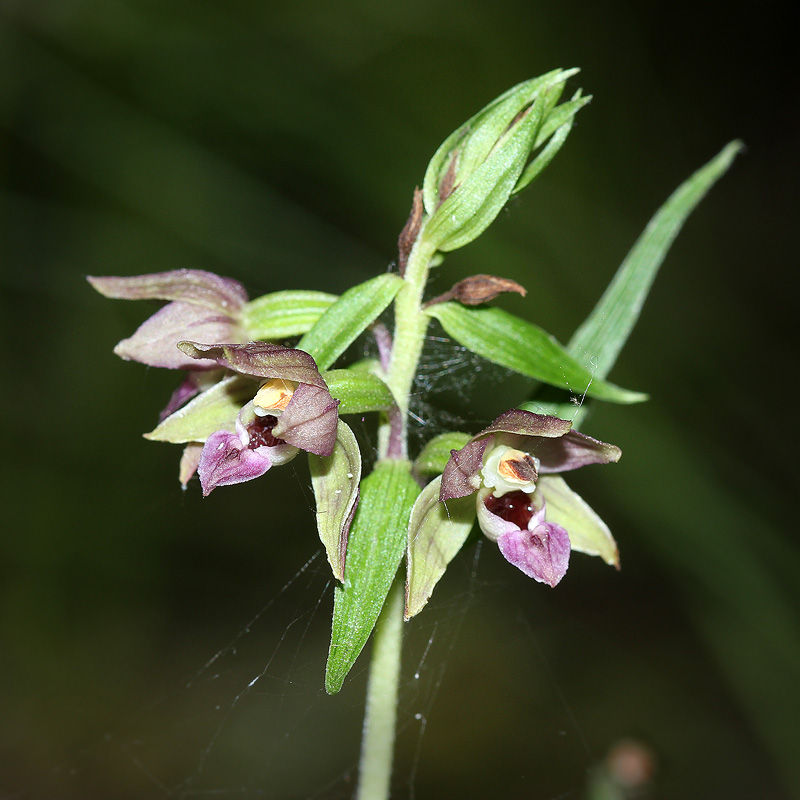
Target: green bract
(347,318)
(359,391)
(376,544)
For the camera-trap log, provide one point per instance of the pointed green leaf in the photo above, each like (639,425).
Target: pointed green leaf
(608,326)
(587,532)
(605,331)
(213,410)
(358,390)
(436,453)
(348,318)
(282,314)
(436,532)
(335,480)
(525,348)
(375,547)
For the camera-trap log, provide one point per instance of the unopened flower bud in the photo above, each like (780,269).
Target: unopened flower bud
(492,155)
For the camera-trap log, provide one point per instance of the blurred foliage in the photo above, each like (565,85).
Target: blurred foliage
(280,144)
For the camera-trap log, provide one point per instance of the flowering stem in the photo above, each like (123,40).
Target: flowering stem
(409,336)
(377,743)
(375,769)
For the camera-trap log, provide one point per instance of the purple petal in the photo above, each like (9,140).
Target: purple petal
(225,461)
(572,451)
(461,475)
(526,423)
(188,285)
(186,390)
(310,420)
(259,359)
(542,554)
(155,341)
(189,461)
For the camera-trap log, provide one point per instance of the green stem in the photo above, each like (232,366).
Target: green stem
(375,769)
(377,742)
(409,336)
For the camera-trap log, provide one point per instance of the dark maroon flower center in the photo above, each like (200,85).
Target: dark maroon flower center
(513,507)
(260,432)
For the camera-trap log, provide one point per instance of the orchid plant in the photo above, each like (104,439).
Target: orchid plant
(263,380)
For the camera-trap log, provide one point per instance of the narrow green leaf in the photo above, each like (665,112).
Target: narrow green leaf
(605,331)
(213,410)
(607,328)
(587,532)
(282,314)
(376,544)
(348,318)
(335,480)
(436,532)
(436,453)
(525,348)
(358,390)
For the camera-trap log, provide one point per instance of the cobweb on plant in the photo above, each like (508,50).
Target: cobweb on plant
(251,719)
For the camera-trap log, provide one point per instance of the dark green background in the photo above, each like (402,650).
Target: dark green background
(279,144)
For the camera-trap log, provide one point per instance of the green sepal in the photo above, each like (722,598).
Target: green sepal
(436,453)
(281,314)
(436,532)
(376,544)
(348,318)
(523,347)
(335,480)
(358,390)
(587,532)
(213,410)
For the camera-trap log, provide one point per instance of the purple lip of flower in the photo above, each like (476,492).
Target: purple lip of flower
(516,521)
(202,306)
(516,449)
(228,458)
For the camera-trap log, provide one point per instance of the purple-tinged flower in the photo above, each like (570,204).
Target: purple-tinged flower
(292,410)
(203,307)
(522,503)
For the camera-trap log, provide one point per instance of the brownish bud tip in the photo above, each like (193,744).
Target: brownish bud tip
(407,237)
(478,289)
